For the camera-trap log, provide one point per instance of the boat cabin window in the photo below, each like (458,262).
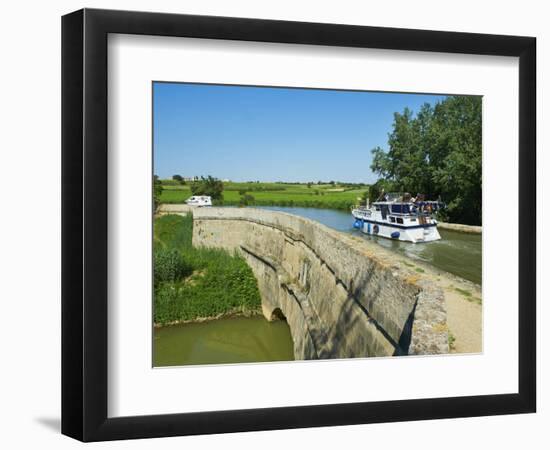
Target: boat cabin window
(392,219)
(399,220)
(385,210)
(400,208)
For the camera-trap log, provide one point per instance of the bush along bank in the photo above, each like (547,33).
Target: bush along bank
(193,284)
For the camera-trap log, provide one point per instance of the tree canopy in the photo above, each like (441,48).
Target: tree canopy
(437,153)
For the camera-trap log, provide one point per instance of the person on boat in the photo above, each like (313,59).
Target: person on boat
(382,197)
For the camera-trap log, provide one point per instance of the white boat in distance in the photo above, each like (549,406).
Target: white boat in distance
(199,200)
(399,217)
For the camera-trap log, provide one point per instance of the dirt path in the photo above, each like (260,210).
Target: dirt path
(464,316)
(464,307)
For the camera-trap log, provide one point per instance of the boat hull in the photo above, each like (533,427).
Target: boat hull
(417,234)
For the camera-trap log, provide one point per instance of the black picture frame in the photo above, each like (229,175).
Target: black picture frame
(84,224)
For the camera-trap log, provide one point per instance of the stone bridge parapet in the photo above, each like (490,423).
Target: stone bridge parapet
(341,295)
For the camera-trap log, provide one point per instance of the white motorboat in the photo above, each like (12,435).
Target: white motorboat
(399,217)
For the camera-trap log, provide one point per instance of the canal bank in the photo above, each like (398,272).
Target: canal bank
(473,229)
(193,284)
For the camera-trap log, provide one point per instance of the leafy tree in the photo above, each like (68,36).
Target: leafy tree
(438,153)
(177,178)
(377,189)
(210,186)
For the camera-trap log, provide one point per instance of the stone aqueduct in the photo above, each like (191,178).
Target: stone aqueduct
(341,295)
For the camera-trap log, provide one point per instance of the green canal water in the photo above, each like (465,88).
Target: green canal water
(221,341)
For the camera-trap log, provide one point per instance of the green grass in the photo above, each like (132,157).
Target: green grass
(211,282)
(452,340)
(418,269)
(464,292)
(275,194)
(468,296)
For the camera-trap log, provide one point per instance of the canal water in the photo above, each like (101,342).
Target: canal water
(221,341)
(456,253)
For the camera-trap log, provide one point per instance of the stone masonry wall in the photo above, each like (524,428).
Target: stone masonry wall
(341,295)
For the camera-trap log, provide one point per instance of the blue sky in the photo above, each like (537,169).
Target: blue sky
(247,133)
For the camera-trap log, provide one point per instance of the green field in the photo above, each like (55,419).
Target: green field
(192,283)
(274,194)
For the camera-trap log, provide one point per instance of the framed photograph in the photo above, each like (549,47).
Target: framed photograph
(272,224)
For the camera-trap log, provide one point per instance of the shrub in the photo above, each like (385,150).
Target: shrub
(169,265)
(157,191)
(246,200)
